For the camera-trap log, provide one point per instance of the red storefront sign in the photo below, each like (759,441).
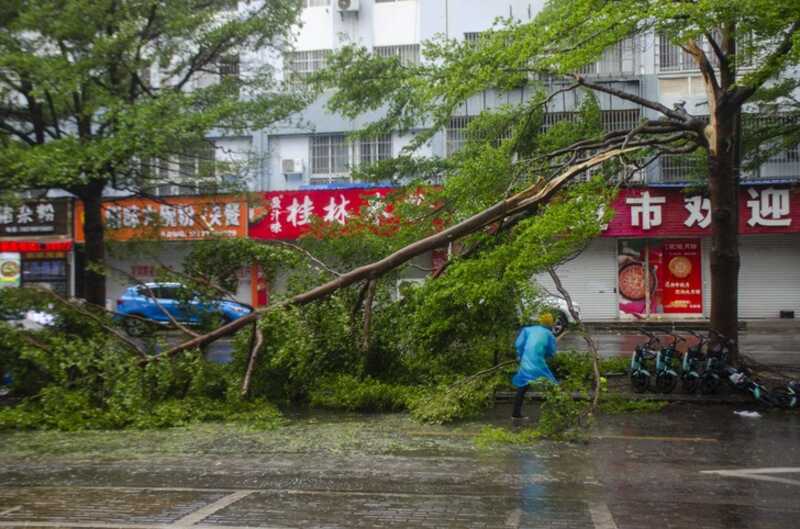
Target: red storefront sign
(653,212)
(35,246)
(286,215)
(681,281)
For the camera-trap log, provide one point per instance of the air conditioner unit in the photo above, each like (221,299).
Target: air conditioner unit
(350,6)
(289,166)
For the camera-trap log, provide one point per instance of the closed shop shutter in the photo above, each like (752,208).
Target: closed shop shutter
(706,277)
(769,280)
(591,280)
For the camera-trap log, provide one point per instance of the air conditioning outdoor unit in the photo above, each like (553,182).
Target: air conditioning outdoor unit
(289,166)
(347,5)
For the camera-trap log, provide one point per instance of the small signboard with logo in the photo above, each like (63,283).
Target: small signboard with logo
(10,269)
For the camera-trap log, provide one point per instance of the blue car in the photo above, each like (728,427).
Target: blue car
(138,310)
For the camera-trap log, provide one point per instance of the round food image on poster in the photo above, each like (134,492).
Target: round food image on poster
(9,269)
(631,281)
(680,266)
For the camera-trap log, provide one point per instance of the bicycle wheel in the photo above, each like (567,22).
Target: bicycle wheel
(639,381)
(691,382)
(666,382)
(709,384)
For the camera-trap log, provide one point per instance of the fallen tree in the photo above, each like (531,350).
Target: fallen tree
(521,203)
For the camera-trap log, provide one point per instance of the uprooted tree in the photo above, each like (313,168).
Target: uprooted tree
(120,95)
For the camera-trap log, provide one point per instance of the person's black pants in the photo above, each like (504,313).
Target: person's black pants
(518,398)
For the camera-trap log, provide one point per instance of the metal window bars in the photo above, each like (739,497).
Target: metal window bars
(407,53)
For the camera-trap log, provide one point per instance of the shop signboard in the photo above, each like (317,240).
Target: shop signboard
(30,219)
(656,212)
(171,218)
(287,215)
(10,269)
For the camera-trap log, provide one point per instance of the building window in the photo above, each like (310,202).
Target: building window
(612,119)
(456,134)
(299,65)
(329,154)
(375,149)
(228,67)
(407,53)
(622,58)
(388,1)
(472,36)
(316,3)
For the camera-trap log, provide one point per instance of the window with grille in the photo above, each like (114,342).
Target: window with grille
(299,65)
(621,58)
(228,67)
(329,154)
(673,58)
(407,53)
(472,36)
(612,119)
(375,149)
(456,134)
(197,161)
(316,3)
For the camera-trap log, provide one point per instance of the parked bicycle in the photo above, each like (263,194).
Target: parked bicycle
(716,363)
(666,376)
(692,362)
(643,353)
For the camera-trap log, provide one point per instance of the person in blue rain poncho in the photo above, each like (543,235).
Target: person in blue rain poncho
(534,345)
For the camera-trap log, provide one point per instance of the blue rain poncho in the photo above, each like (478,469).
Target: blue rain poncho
(534,345)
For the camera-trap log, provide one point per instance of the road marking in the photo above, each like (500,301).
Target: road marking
(658,438)
(12,509)
(601,516)
(759,474)
(203,513)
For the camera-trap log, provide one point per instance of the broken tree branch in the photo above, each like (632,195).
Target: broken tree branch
(256,341)
(583,332)
(527,200)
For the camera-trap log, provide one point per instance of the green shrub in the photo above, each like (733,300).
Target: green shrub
(347,392)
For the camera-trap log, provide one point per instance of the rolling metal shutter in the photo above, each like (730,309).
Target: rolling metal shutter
(769,279)
(591,280)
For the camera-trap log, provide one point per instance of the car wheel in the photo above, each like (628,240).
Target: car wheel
(560,325)
(136,326)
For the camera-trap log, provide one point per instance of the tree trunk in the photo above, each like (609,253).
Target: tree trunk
(94,280)
(724,190)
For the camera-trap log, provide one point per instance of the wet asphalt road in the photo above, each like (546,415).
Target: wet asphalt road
(686,467)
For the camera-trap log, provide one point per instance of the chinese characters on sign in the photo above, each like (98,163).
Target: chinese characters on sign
(670,213)
(34,218)
(179,218)
(288,215)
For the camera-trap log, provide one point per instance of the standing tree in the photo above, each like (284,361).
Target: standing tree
(741,48)
(104,95)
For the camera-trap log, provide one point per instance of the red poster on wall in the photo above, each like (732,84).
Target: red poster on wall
(681,278)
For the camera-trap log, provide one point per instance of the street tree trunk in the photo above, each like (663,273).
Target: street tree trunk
(724,191)
(93,279)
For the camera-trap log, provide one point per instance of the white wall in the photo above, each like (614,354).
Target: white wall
(395,23)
